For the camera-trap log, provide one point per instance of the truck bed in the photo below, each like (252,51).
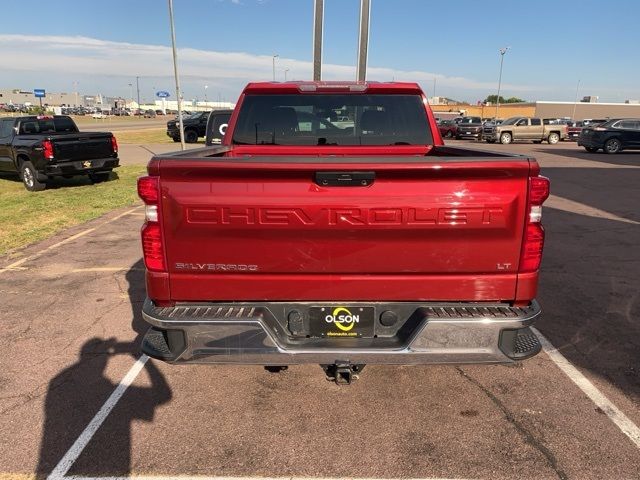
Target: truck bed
(438,224)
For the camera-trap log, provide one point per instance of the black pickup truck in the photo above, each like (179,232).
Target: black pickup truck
(40,148)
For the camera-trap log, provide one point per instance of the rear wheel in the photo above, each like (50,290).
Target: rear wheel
(506,138)
(553,138)
(30,178)
(612,145)
(449,134)
(591,149)
(190,136)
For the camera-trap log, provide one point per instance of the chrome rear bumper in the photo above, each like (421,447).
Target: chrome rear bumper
(258,333)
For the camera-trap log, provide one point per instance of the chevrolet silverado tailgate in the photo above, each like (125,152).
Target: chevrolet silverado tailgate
(278,228)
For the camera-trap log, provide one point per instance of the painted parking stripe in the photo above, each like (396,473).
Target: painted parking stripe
(15,265)
(87,434)
(571,206)
(623,422)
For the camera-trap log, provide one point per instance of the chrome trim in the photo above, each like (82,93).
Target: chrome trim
(252,341)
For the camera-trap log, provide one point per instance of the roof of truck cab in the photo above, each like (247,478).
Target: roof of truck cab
(333,87)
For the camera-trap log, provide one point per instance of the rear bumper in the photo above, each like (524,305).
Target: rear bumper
(261,334)
(81,167)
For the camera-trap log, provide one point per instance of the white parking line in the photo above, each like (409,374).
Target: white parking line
(15,265)
(623,422)
(83,440)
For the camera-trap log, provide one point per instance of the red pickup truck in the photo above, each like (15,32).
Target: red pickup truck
(332,226)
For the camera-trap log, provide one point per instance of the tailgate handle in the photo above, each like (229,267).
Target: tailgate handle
(345,179)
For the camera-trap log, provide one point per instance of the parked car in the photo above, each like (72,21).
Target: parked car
(219,121)
(297,241)
(448,128)
(150,113)
(469,127)
(195,126)
(524,128)
(612,136)
(40,148)
(159,112)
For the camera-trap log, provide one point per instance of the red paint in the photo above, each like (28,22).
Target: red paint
(431,230)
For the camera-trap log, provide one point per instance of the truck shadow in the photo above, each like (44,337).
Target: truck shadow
(77,393)
(625,158)
(590,275)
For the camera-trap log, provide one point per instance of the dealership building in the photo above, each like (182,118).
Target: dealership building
(544,109)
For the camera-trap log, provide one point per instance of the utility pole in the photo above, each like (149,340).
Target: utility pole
(502,52)
(285,74)
(363,40)
(273,62)
(175,73)
(318,24)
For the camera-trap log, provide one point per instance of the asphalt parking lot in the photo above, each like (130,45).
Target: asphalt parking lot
(77,400)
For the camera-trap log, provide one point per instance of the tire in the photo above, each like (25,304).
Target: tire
(553,138)
(506,138)
(176,139)
(276,368)
(99,177)
(613,145)
(449,134)
(29,177)
(591,149)
(190,136)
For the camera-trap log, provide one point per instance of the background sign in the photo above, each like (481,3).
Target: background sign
(38,92)
(162,94)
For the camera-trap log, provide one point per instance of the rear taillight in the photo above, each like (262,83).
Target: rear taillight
(534,233)
(152,244)
(114,144)
(47,149)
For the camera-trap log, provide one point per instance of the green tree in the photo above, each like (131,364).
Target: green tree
(493,99)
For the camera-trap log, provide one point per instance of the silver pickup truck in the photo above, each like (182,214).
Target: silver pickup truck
(524,128)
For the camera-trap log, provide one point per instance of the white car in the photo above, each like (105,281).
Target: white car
(99,115)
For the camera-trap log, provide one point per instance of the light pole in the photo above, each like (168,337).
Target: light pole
(131,91)
(573,116)
(75,87)
(175,73)
(138,90)
(273,61)
(502,52)
(285,74)
(205,93)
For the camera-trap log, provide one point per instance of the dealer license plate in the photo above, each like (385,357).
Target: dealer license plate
(341,321)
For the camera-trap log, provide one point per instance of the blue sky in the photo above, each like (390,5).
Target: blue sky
(224,44)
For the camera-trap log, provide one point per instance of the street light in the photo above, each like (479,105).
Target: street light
(175,74)
(205,93)
(75,87)
(131,91)
(285,74)
(502,52)
(273,61)
(573,116)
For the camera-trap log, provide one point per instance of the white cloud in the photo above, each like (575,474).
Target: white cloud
(67,55)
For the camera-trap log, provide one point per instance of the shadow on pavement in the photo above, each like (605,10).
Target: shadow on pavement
(591,273)
(625,158)
(77,393)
